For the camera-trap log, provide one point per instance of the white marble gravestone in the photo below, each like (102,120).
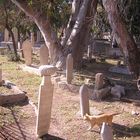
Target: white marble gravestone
(44,55)
(45,100)
(27,51)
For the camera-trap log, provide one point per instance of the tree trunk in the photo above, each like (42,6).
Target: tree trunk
(13,40)
(80,42)
(76,35)
(45,28)
(125,40)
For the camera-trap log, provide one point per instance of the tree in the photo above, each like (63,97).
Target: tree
(12,17)
(122,35)
(5,21)
(75,36)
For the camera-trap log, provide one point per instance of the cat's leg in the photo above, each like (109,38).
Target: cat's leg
(90,128)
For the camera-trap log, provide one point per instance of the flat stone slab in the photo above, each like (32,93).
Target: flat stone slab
(31,69)
(69,87)
(120,70)
(15,97)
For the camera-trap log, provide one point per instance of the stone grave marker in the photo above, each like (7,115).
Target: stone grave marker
(6,35)
(89,52)
(27,51)
(106,132)
(45,100)
(15,31)
(0,76)
(69,68)
(44,55)
(32,38)
(84,100)
(38,36)
(99,81)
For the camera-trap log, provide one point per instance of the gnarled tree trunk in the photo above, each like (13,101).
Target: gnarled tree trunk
(75,38)
(125,40)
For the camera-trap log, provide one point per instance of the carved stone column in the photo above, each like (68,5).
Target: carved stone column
(45,100)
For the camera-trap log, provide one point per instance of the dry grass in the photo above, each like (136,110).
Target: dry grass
(64,122)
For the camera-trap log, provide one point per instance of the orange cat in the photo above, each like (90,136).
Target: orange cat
(99,119)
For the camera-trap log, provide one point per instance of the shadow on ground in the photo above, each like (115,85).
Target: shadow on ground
(50,137)
(123,131)
(15,130)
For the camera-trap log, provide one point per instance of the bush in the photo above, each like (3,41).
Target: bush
(12,57)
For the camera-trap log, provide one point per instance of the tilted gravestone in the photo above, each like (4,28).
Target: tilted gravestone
(69,68)
(84,100)
(45,100)
(44,55)
(27,51)
(106,132)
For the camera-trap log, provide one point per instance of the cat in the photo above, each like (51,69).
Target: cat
(99,119)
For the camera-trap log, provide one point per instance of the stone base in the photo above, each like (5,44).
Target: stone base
(102,93)
(17,97)
(120,70)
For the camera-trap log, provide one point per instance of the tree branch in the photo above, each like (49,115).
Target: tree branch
(79,21)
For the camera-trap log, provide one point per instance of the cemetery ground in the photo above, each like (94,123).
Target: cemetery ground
(18,121)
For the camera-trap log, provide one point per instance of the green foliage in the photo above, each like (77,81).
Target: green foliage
(130,12)
(1,1)
(57,11)
(101,23)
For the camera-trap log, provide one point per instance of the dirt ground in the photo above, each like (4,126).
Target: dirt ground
(66,124)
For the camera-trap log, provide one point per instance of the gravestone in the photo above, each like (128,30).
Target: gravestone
(69,69)
(6,35)
(45,100)
(106,132)
(32,39)
(15,32)
(99,81)
(84,100)
(89,53)
(27,51)
(101,89)
(38,36)
(44,55)
(0,76)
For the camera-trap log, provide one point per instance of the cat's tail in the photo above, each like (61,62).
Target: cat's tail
(116,113)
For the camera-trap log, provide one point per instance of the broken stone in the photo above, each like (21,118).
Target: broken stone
(118,91)
(102,93)
(99,81)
